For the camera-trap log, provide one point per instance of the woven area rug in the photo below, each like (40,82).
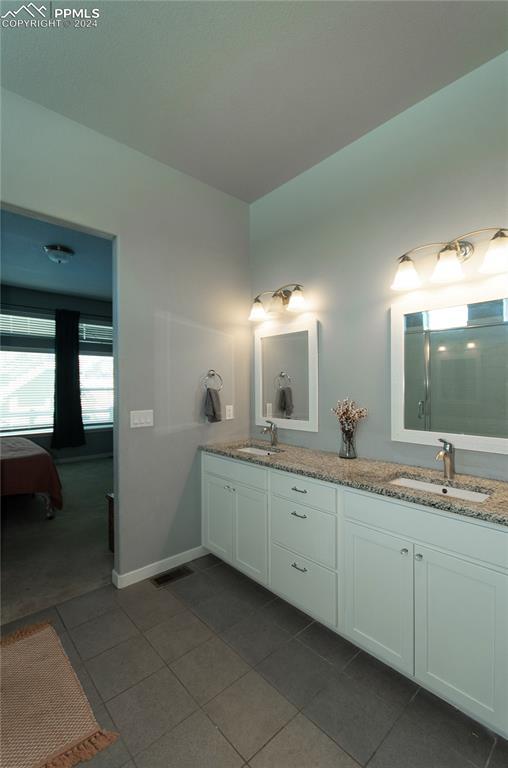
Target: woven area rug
(46,720)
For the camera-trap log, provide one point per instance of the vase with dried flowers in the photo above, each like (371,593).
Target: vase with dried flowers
(348,415)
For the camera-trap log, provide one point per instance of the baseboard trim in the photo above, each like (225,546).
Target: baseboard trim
(121,580)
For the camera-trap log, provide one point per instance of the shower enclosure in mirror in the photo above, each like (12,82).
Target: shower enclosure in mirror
(286,374)
(450,372)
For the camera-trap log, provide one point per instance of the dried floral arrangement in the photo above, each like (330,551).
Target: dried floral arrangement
(348,414)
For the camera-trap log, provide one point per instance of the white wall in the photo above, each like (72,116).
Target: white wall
(181,251)
(435,171)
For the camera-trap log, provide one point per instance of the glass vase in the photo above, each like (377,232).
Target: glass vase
(347,447)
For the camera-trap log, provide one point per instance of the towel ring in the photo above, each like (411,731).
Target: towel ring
(212,375)
(286,379)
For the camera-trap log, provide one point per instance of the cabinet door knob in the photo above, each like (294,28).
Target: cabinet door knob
(404,551)
(300,517)
(298,490)
(297,567)
(418,556)
(227,487)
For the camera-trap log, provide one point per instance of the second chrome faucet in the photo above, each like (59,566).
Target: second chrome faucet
(272,430)
(447,455)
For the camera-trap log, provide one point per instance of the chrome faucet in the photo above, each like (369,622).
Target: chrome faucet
(447,455)
(272,430)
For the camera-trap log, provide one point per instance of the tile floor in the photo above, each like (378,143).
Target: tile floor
(213,671)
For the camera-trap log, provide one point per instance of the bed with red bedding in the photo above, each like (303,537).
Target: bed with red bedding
(26,468)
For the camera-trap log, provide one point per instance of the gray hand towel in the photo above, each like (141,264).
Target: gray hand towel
(286,401)
(212,405)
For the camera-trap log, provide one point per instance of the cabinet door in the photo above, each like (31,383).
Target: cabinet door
(251,534)
(219,501)
(461,640)
(379,594)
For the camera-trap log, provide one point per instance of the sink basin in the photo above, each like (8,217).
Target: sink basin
(440,490)
(259,451)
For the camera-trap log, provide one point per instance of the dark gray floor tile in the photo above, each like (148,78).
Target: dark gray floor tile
(122,666)
(452,728)
(500,757)
(225,577)
(301,745)
(178,635)
(352,716)
(103,632)
(296,671)
(49,614)
(150,709)
(71,650)
(86,607)
(147,606)
(195,743)
(195,588)
(328,644)
(222,611)
(208,669)
(408,745)
(384,681)
(249,713)
(114,756)
(202,563)
(255,638)
(242,588)
(91,692)
(286,616)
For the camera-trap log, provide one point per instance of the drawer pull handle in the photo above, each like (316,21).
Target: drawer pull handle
(298,490)
(300,517)
(404,551)
(302,570)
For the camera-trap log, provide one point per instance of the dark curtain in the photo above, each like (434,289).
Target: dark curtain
(68,422)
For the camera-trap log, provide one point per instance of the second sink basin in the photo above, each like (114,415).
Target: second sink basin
(440,490)
(258,451)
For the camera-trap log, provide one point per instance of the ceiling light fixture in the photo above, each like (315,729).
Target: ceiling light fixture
(289,297)
(450,257)
(60,254)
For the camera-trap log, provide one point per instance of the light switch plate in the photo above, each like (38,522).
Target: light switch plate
(141,419)
(230,412)
(269,410)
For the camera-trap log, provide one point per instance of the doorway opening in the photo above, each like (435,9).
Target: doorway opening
(57,398)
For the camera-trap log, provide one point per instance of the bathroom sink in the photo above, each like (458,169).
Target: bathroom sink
(440,490)
(252,449)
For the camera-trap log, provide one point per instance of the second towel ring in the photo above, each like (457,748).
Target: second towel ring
(284,376)
(212,375)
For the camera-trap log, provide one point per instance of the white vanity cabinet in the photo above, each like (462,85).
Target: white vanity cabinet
(235,514)
(423,590)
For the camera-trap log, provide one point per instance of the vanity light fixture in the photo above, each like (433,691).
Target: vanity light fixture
(290,297)
(451,256)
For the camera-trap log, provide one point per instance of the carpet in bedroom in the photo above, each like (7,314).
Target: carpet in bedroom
(48,561)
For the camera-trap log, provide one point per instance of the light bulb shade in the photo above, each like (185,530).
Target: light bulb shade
(257,312)
(406,278)
(297,302)
(448,268)
(496,256)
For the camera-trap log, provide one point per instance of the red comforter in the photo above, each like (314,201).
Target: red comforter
(28,468)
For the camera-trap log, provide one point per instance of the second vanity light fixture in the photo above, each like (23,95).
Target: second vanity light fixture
(450,258)
(290,297)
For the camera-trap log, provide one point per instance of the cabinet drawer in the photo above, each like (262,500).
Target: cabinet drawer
(305,530)
(303,490)
(452,533)
(306,584)
(238,471)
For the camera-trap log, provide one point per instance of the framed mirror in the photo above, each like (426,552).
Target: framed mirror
(450,369)
(286,374)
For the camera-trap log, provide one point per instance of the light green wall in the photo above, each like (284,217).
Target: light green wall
(432,172)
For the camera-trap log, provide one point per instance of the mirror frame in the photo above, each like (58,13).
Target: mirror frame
(272,328)
(488,290)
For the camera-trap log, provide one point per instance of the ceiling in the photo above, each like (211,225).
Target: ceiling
(246,95)
(24,263)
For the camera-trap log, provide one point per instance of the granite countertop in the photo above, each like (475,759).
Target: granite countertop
(375,476)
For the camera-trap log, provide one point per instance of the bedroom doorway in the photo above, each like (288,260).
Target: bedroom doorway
(57,395)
